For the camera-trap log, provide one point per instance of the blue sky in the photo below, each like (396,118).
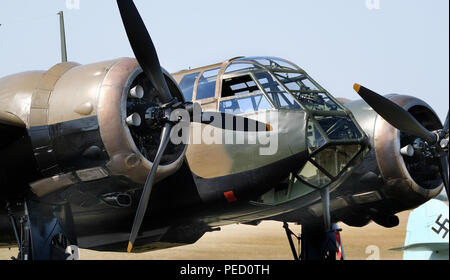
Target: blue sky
(403,47)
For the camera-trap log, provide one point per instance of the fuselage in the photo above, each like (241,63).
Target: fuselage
(74,118)
(307,121)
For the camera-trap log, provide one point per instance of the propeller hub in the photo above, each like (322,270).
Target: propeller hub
(444,143)
(157,116)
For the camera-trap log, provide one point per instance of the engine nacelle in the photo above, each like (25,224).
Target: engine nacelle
(416,180)
(78,120)
(388,182)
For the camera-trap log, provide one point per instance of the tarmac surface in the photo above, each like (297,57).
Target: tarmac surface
(266,241)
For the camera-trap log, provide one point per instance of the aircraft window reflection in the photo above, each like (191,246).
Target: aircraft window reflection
(311,174)
(187,85)
(207,84)
(238,86)
(306,92)
(284,100)
(317,101)
(339,128)
(295,81)
(268,83)
(236,67)
(314,137)
(335,158)
(270,62)
(279,96)
(245,104)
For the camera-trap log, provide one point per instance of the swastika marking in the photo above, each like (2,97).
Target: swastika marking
(442,226)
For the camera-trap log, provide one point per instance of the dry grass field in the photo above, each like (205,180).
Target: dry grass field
(264,242)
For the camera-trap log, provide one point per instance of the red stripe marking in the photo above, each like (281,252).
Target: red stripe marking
(230,196)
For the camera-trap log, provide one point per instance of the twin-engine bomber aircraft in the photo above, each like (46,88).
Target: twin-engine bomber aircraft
(108,156)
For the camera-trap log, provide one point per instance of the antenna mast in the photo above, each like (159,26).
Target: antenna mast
(63,37)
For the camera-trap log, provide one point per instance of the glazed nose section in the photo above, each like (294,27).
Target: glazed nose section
(335,146)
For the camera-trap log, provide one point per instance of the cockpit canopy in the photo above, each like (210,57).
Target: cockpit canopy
(249,84)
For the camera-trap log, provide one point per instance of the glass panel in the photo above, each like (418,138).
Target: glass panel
(237,67)
(317,101)
(335,158)
(238,86)
(207,84)
(245,104)
(279,96)
(339,128)
(313,175)
(314,137)
(187,85)
(268,83)
(302,88)
(357,160)
(272,62)
(284,100)
(295,81)
(308,85)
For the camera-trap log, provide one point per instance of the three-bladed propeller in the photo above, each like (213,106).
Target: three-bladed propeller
(146,55)
(404,121)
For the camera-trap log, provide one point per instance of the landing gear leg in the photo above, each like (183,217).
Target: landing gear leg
(52,231)
(23,238)
(332,247)
(318,242)
(46,232)
(289,235)
(12,219)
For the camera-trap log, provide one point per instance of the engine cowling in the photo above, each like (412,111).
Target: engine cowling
(387,142)
(388,182)
(76,117)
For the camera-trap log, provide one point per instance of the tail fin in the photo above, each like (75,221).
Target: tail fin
(427,233)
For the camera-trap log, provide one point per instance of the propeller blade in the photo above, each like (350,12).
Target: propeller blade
(444,169)
(143,203)
(232,122)
(445,129)
(143,48)
(394,114)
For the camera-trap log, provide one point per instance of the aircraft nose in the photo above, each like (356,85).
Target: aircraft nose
(335,146)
